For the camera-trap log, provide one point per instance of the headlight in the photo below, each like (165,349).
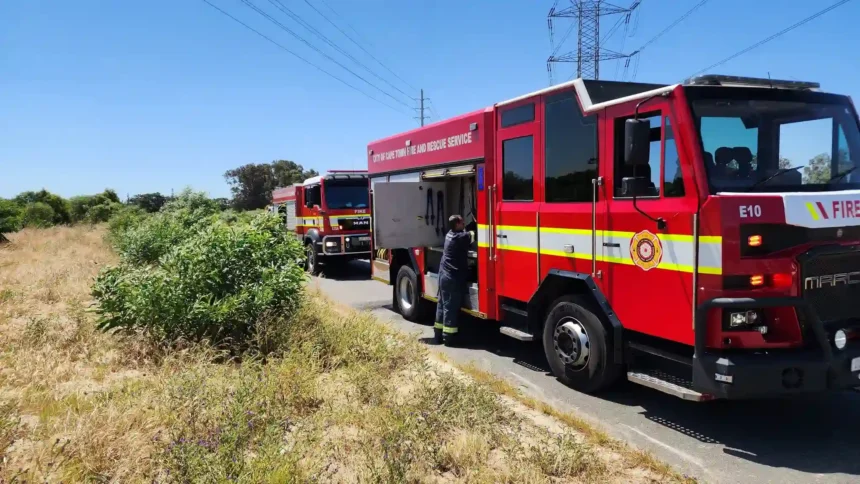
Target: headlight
(746,318)
(331,243)
(840,339)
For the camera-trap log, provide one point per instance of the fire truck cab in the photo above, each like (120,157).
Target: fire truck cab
(330,214)
(701,238)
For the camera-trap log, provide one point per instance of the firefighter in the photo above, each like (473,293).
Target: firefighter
(452,279)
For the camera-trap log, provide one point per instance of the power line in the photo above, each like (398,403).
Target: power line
(671,26)
(301,39)
(301,58)
(354,41)
(781,32)
(283,8)
(623,43)
(433,110)
(663,32)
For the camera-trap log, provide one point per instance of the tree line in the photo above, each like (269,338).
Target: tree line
(251,186)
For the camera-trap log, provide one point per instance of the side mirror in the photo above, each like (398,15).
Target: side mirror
(637,138)
(635,186)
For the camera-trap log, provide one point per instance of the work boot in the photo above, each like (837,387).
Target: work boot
(438,337)
(451,339)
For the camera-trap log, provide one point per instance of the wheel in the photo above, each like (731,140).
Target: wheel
(406,294)
(577,346)
(311,259)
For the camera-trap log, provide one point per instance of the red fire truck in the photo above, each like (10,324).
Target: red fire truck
(702,238)
(330,214)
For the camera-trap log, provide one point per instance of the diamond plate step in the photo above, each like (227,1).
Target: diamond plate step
(666,383)
(516,334)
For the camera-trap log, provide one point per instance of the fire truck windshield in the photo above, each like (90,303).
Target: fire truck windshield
(346,194)
(778,145)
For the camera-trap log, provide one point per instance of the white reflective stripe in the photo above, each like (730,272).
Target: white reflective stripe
(614,246)
(484,235)
(310,221)
(520,239)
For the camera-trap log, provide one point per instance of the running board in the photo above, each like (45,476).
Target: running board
(666,383)
(516,334)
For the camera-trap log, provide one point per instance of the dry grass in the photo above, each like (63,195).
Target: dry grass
(349,401)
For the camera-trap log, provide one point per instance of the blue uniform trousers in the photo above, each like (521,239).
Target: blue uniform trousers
(448,307)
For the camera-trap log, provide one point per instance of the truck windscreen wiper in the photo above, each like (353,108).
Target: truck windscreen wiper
(779,172)
(842,175)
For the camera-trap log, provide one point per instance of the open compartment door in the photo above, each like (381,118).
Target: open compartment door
(405,215)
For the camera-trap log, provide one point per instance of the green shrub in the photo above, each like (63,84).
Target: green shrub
(190,201)
(10,216)
(38,215)
(215,284)
(84,208)
(145,240)
(124,219)
(60,207)
(102,212)
(150,202)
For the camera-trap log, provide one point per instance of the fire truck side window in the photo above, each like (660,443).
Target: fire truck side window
(312,196)
(673,182)
(651,171)
(570,150)
(518,169)
(518,115)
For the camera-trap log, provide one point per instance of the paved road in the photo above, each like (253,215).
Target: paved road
(786,441)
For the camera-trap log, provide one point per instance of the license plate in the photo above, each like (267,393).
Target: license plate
(364,239)
(855,364)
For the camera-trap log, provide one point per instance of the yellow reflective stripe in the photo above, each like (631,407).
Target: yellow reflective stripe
(812,211)
(516,248)
(518,228)
(449,330)
(438,326)
(483,244)
(359,215)
(705,239)
(621,260)
(559,230)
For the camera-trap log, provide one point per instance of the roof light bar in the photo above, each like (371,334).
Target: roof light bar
(737,81)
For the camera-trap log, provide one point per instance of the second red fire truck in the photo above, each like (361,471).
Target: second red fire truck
(330,214)
(700,238)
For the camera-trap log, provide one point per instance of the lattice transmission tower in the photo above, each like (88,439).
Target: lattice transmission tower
(589,53)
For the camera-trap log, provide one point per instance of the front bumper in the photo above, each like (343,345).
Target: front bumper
(346,245)
(733,375)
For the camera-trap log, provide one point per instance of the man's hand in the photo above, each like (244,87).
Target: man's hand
(472,236)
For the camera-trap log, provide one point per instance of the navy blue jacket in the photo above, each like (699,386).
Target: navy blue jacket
(455,255)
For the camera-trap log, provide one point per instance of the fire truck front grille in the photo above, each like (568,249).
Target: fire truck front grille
(360,223)
(831,282)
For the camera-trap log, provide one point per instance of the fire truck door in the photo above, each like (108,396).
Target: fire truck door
(517,208)
(648,246)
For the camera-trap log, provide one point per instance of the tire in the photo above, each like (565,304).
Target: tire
(565,325)
(312,264)
(407,295)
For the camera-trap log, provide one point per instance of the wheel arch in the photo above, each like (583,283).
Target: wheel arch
(312,236)
(399,258)
(559,283)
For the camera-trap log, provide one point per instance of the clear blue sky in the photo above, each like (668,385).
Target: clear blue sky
(153,95)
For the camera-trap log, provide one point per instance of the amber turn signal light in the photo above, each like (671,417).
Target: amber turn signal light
(754,240)
(757,280)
